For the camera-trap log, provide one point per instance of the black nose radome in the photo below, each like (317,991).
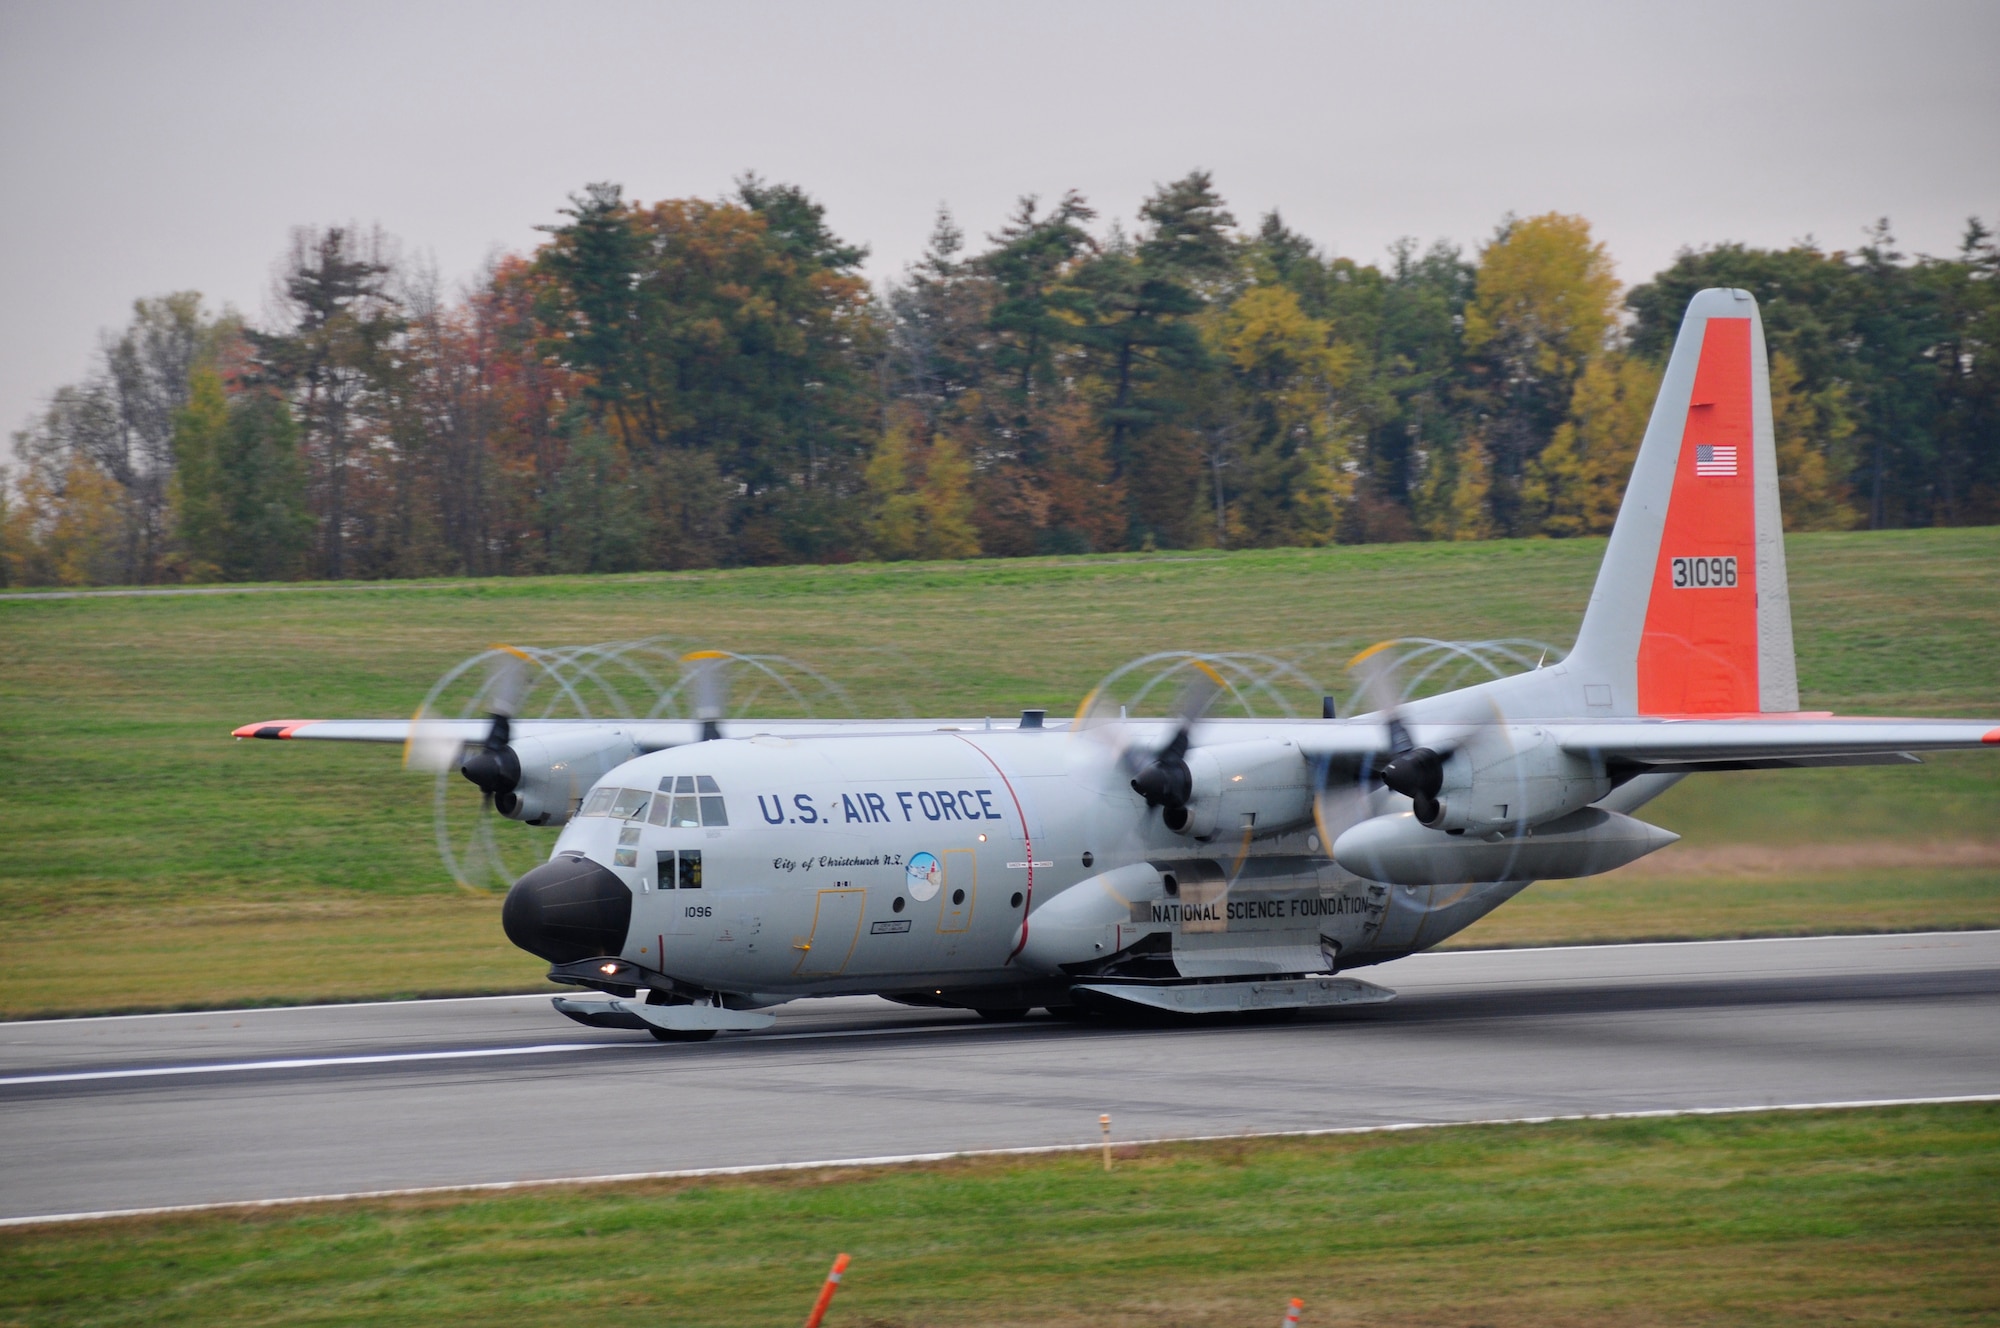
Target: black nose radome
(568,909)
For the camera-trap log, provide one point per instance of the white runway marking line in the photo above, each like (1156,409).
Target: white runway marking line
(477,1053)
(306,1063)
(910,1159)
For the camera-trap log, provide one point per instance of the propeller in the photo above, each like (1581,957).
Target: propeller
(492,766)
(1416,772)
(708,679)
(1165,781)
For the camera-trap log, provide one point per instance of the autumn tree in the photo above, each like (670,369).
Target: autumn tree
(1545,302)
(920,495)
(1574,485)
(722,344)
(1279,408)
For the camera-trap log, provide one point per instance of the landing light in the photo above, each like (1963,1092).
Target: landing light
(607,968)
(982,839)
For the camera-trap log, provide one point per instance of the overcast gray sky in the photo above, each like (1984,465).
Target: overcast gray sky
(154,147)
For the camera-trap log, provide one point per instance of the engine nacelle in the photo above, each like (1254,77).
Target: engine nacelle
(1510,776)
(558,769)
(1396,850)
(1263,788)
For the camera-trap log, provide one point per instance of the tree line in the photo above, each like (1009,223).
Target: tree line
(713,382)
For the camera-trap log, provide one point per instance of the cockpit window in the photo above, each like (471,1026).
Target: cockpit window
(599,802)
(689,801)
(629,803)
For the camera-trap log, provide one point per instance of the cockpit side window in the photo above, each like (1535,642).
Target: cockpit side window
(629,803)
(599,802)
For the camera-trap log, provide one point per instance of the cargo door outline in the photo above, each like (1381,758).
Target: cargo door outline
(836,927)
(961,872)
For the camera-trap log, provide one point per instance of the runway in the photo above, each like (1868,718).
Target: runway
(118,1113)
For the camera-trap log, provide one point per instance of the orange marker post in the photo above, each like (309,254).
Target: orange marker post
(1104,1123)
(826,1292)
(1292,1314)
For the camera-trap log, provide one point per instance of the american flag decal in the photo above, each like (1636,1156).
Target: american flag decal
(1710,460)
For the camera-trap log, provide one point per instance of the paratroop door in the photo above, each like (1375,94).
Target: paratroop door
(836,924)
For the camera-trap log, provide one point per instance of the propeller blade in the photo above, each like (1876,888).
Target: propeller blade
(434,746)
(708,680)
(508,683)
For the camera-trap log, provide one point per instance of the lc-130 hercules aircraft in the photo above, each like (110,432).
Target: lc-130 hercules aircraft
(1192,866)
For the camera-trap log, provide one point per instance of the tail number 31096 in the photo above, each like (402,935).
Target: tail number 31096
(1704,573)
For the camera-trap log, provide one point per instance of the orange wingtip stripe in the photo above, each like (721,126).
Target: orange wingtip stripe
(272,728)
(1993,737)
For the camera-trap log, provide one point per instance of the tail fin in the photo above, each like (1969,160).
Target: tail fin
(1691,614)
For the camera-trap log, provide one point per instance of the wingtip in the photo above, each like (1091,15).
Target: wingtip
(272,728)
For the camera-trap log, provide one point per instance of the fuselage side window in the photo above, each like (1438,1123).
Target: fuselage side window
(690,869)
(663,861)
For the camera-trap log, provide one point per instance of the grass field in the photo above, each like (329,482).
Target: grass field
(150,862)
(1842,1217)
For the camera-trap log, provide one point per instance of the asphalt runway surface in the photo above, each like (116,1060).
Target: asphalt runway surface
(153,1110)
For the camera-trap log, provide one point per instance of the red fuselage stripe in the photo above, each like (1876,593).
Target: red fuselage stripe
(1027,843)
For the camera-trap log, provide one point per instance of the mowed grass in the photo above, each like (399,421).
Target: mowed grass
(1841,1217)
(147,861)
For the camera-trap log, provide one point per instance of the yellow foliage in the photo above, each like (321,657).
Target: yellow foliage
(947,496)
(1808,433)
(1287,375)
(1575,486)
(1471,518)
(1453,495)
(1546,299)
(69,531)
(921,498)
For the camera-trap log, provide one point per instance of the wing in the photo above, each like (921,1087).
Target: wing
(649,734)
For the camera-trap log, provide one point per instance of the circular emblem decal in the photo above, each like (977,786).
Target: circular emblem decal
(925,876)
